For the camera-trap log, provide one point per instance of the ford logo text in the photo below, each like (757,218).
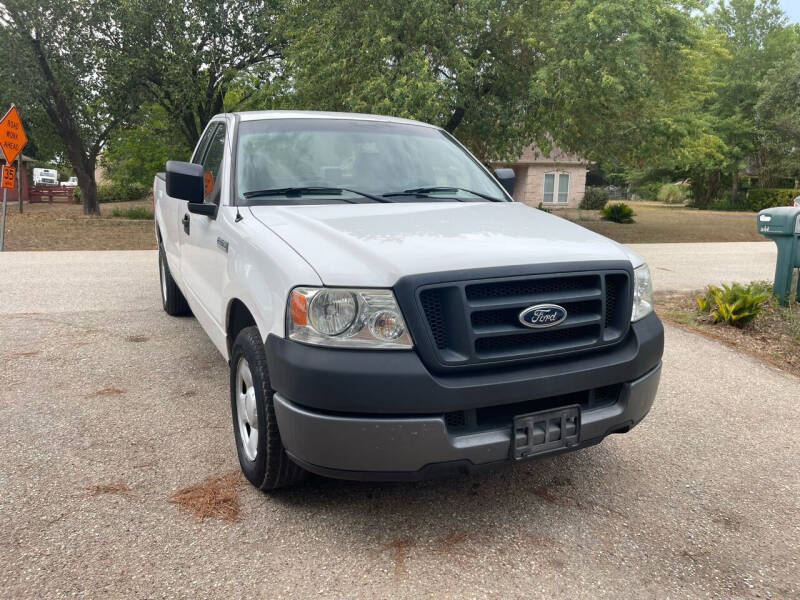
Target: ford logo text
(542,315)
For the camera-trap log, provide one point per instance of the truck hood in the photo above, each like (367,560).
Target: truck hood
(374,245)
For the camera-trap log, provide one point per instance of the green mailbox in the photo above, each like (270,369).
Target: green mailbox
(782,225)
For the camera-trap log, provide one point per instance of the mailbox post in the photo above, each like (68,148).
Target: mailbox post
(782,225)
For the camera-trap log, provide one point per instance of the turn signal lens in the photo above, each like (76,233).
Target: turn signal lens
(298,309)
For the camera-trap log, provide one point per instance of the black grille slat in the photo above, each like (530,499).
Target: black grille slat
(474,322)
(432,305)
(530,287)
(546,341)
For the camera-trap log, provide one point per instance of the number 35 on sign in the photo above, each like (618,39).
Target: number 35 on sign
(9,174)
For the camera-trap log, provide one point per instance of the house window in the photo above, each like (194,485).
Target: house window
(553,194)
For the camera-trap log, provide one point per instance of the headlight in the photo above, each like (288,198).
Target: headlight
(346,318)
(642,293)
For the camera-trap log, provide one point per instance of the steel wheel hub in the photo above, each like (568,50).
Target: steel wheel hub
(246,411)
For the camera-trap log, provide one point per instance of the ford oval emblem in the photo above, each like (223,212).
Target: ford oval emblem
(542,315)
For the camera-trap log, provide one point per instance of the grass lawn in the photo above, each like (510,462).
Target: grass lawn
(774,336)
(64,226)
(61,226)
(664,223)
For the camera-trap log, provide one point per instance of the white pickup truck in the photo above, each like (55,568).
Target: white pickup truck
(387,310)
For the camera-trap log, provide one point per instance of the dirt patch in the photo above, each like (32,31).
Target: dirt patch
(136,339)
(400,549)
(665,223)
(109,391)
(217,496)
(448,544)
(114,487)
(63,226)
(773,337)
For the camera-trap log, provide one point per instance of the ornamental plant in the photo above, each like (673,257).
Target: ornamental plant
(734,304)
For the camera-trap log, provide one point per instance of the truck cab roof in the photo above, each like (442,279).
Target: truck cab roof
(258,115)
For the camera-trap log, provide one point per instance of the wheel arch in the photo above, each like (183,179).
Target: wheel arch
(238,317)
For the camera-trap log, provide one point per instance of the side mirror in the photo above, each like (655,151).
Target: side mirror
(506,177)
(185,181)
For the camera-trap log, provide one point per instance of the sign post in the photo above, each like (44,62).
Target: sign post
(19,181)
(12,140)
(7,182)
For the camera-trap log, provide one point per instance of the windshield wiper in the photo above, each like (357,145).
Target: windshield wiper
(296,192)
(422,191)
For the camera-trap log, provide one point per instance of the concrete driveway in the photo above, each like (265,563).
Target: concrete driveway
(98,385)
(688,267)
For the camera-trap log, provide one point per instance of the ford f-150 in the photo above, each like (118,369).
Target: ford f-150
(387,310)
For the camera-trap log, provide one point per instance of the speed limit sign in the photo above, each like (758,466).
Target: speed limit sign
(9,175)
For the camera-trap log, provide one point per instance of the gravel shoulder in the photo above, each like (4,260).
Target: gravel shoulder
(98,387)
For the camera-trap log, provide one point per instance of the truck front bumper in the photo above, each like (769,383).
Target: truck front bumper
(410,448)
(383,416)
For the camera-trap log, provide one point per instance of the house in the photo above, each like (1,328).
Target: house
(557,180)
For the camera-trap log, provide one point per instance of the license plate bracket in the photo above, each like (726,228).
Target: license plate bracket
(545,431)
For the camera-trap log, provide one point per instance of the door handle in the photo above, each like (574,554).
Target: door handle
(186,222)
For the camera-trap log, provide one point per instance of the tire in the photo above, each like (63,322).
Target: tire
(172,299)
(262,458)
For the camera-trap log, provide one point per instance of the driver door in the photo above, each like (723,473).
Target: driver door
(203,260)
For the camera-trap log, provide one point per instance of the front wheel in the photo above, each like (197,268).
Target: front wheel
(172,298)
(262,456)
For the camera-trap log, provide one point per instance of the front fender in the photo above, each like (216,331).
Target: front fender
(262,270)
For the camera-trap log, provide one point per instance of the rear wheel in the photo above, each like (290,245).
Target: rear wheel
(172,298)
(262,456)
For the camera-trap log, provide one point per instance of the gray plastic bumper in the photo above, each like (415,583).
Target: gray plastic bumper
(370,447)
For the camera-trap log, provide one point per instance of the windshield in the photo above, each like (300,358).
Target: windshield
(395,161)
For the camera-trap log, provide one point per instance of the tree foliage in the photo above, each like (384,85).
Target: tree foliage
(753,34)
(778,118)
(498,73)
(136,152)
(203,57)
(652,90)
(68,63)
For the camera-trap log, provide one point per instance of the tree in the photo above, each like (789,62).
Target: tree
(141,148)
(752,31)
(203,57)
(778,119)
(68,60)
(588,75)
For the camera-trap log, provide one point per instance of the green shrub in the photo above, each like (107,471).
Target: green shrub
(619,212)
(594,198)
(133,212)
(734,304)
(647,191)
(731,202)
(761,198)
(116,192)
(670,193)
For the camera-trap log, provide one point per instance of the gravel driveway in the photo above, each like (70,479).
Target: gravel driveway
(99,386)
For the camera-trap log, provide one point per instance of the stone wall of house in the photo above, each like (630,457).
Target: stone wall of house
(529,187)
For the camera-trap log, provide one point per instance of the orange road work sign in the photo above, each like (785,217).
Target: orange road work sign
(9,176)
(12,136)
